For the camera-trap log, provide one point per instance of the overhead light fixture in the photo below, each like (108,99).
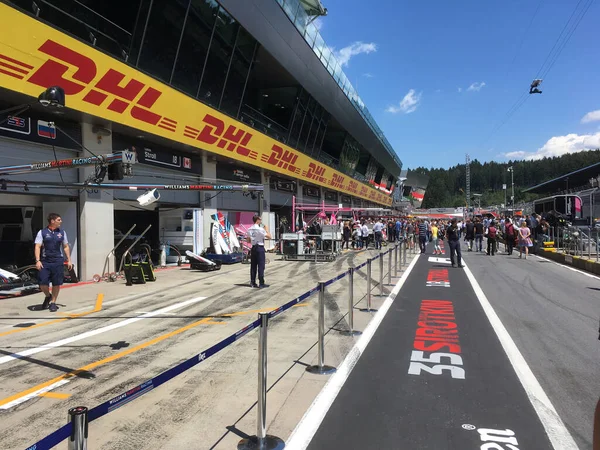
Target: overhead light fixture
(265,95)
(53,96)
(149,197)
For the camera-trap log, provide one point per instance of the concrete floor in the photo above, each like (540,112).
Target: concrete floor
(82,357)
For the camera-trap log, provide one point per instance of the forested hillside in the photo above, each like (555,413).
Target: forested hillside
(445,185)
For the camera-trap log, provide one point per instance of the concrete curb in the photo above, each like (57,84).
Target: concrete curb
(570,260)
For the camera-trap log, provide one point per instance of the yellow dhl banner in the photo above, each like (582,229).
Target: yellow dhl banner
(99,85)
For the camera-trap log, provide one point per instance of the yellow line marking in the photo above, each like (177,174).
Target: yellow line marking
(97,308)
(5,333)
(101,362)
(91,366)
(57,395)
(99,299)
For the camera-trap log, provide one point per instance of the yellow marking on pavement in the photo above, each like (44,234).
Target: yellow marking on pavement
(97,308)
(57,395)
(91,366)
(43,324)
(101,362)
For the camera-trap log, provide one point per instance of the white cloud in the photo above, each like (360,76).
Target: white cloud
(345,54)
(368,75)
(409,103)
(459,89)
(318,23)
(558,146)
(476,87)
(593,116)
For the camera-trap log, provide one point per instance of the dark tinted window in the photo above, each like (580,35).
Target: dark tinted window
(219,55)
(162,37)
(194,45)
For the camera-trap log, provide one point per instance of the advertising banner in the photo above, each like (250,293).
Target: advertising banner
(101,86)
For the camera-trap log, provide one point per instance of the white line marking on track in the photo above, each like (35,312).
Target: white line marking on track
(439,260)
(23,399)
(310,422)
(87,334)
(555,428)
(568,267)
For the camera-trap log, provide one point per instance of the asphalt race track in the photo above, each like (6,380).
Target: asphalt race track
(436,376)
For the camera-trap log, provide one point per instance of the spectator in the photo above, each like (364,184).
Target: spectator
(492,233)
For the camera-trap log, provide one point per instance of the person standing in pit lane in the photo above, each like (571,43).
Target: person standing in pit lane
(50,245)
(422,228)
(453,237)
(256,236)
(524,239)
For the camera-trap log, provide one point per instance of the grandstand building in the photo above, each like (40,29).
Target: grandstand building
(228,90)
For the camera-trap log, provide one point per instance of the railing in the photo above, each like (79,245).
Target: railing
(576,241)
(264,124)
(306,27)
(76,430)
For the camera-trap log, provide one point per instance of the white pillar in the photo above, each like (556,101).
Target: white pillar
(208,199)
(265,180)
(97,220)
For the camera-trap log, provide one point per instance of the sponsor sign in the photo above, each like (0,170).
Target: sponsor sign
(232,172)
(283,185)
(437,330)
(311,191)
(101,86)
(331,196)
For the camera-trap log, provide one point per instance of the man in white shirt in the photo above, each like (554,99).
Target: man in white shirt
(365,234)
(378,233)
(256,236)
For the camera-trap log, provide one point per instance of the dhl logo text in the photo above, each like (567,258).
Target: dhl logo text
(315,172)
(337,181)
(112,85)
(232,139)
(284,159)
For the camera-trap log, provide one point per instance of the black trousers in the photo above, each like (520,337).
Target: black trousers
(510,243)
(491,246)
(455,253)
(257,263)
(422,243)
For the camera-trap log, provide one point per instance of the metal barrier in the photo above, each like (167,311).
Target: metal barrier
(76,429)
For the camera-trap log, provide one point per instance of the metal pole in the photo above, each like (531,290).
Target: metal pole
(261,440)
(381,273)
(590,243)
(404,255)
(261,423)
(78,416)
(352,332)
(389,267)
(597,243)
(321,368)
(396,260)
(369,284)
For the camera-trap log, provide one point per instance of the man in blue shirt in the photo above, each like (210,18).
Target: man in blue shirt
(50,244)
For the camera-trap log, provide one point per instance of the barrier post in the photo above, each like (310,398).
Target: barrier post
(404,256)
(597,242)
(396,260)
(368,308)
(389,266)
(381,273)
(590,243)
(262,440)
(321,368)
(352,331)
(78,416)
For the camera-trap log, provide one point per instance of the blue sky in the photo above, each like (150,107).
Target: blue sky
(440,76)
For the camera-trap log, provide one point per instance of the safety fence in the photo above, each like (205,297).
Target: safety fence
(76,429)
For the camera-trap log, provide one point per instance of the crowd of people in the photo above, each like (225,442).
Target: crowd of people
(524,233)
